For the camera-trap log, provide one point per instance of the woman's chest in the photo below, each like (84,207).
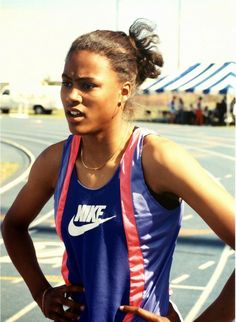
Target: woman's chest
(92,213)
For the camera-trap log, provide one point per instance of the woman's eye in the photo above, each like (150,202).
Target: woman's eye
(66,84)
(87,86)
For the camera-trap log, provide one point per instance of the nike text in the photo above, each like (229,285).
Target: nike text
(87,213)
(90,215)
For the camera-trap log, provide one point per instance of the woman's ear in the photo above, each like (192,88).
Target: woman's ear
(126,91)
(124,94)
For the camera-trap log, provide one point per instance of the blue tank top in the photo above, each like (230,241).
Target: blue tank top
(119,241)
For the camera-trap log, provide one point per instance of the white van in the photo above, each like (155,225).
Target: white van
(42,99)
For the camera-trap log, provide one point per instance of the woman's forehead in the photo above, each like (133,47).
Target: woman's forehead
(87,62)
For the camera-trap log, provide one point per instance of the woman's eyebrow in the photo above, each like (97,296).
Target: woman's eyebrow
(79,78)
(64,76)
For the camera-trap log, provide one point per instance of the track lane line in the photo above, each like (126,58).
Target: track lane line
(210,285)
(25,310)
(206,265)
(26,138)
(41,218)
(218,154)
(179,279)
(22,312)
(25,174)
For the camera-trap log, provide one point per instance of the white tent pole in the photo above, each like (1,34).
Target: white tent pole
(179,33)
(228,115)
(117,14)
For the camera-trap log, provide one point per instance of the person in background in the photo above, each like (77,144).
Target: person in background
(206,115)
(172,109)
(191,114)
(199,112)
(222,111)
(233,109)
(199,102)
(180,112)
(119,192)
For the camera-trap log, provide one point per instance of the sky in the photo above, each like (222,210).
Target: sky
(36,34)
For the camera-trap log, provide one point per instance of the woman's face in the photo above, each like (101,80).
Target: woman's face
(90,92)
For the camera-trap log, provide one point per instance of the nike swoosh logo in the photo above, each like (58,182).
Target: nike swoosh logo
(80,230)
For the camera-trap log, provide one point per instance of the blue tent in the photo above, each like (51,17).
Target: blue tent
(199,78)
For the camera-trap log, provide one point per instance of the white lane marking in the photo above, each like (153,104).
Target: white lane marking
(187,217)
(19,116)
(179,279)
(17,280)
(25,174)
(227,176)
(209,287)
(36,222)
(57,265)
(231,252)
(207,140)
(215,179)
(188,287)
(47,252)
(22,312)
(45,135)
(41,218)
(206,265)
(33,231)
(221,155)
(26,138)
(25,310)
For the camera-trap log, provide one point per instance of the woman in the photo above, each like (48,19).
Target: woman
(118,194)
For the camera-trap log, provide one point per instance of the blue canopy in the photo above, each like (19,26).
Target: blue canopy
(199,78)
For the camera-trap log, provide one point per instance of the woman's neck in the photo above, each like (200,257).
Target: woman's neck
(97,148)
(98,159)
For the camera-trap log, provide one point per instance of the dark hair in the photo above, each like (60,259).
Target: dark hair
(133,57)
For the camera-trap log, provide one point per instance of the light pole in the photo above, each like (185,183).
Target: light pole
(117,14)
(179,33)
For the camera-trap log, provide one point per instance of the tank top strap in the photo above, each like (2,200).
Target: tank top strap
(135,257)
(70,153)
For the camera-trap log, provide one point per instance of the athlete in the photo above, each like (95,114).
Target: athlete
(118,192)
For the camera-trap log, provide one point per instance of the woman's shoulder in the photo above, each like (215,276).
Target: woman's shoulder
(162,160)
(53,153)
(48,163)
(159,147)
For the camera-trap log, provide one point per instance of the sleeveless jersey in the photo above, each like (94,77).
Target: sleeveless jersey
(119,241)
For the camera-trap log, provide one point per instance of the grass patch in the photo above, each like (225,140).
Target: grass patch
(7,169)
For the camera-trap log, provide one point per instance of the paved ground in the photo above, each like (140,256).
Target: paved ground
(202,262)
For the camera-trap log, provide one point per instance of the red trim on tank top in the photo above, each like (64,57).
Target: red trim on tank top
(135,256)
(61,204)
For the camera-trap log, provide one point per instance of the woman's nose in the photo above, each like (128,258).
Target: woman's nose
(75,96)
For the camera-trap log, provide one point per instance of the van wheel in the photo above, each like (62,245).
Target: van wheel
(5,110)
(38,109)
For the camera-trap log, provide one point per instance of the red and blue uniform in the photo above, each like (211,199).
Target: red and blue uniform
(119,240)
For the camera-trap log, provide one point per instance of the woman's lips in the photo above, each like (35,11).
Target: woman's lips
(75,115)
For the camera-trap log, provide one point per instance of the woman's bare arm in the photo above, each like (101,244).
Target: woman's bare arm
(29,202)
(177,172)
(180,174)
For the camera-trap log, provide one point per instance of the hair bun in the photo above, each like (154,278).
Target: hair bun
(145,41)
